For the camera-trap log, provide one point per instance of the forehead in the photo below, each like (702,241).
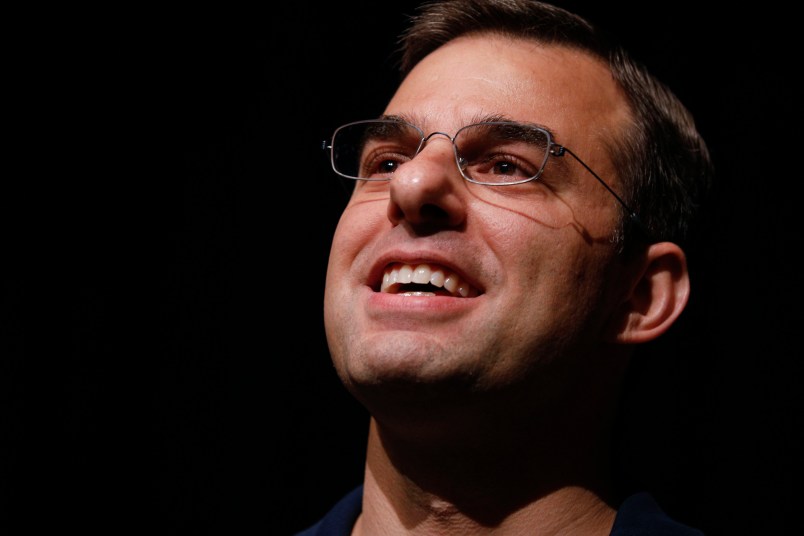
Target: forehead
(568,91)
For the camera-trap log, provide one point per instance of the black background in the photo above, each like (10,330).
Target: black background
(167,223)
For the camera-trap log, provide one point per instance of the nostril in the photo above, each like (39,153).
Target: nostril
(428,214)
(433,212)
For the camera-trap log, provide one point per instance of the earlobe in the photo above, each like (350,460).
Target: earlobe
(659,295)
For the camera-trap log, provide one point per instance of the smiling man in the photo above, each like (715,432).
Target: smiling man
(516,228)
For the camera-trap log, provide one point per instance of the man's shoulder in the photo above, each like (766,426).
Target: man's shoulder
(641,515)
(340,519)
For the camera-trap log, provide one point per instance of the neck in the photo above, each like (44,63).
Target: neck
(546,472)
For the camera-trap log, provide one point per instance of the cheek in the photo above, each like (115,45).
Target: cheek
(520,239)
(548,211)
(552,270)
(359,223)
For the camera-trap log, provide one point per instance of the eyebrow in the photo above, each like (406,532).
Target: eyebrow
(417,120)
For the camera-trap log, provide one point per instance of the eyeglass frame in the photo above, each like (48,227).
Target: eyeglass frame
(553,149)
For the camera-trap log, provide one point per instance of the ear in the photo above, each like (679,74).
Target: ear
(660,291)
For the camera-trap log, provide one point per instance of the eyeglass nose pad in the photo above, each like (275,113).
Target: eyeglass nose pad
(462,163)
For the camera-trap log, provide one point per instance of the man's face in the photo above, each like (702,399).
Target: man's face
(535,260)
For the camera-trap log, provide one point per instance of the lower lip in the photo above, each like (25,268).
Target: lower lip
(382,304)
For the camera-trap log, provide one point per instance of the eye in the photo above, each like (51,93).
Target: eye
(381,162)
(498,168)
(504,168)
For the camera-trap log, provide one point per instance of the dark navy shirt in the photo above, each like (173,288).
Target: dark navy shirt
(638,515)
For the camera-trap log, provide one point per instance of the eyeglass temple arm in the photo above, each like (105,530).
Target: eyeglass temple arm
(559,150)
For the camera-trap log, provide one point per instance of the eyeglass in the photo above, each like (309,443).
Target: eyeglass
(494,153)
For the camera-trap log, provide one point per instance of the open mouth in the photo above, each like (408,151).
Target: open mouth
(424,280)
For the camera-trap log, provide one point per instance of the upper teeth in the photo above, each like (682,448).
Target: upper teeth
(400,274)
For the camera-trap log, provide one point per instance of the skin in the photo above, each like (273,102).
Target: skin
(492,413)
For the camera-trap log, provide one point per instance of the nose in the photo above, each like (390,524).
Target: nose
(429,191)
